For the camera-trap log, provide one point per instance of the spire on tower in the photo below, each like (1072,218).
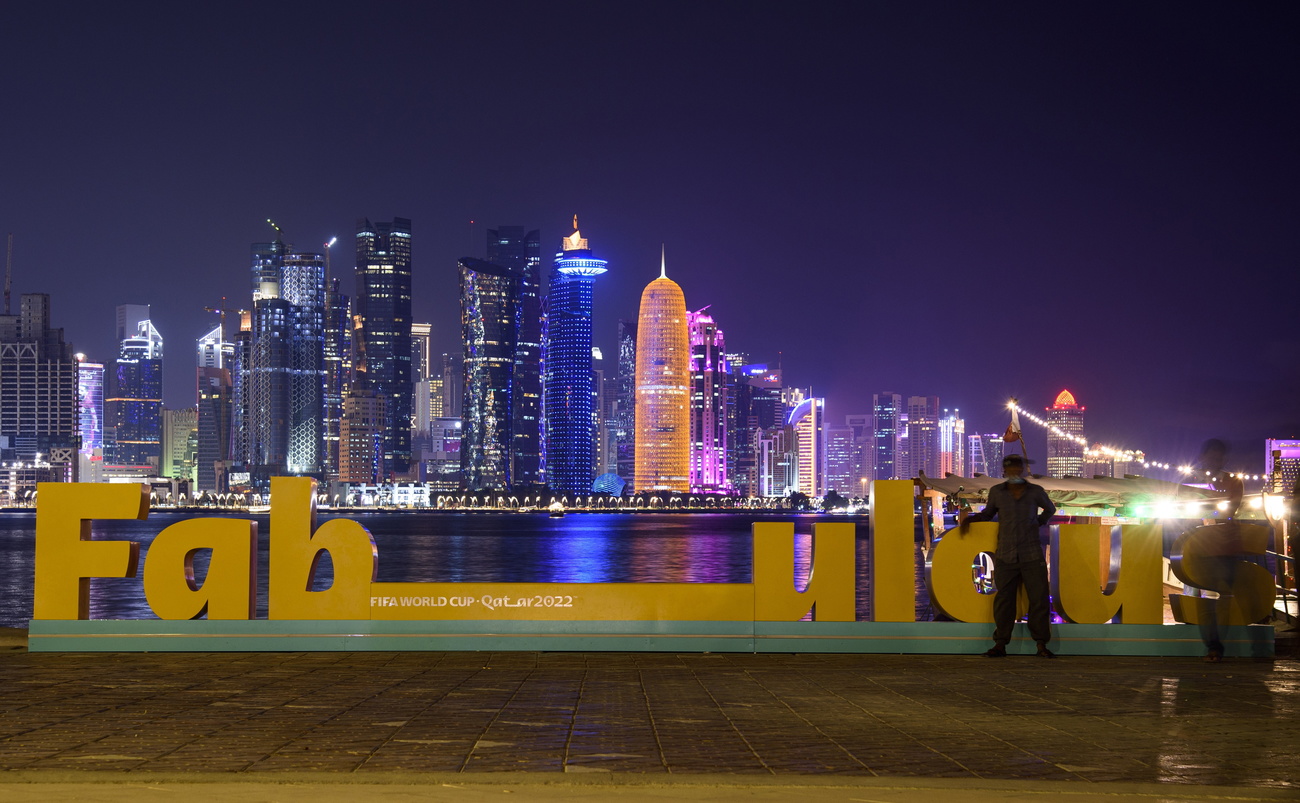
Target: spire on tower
(663,265)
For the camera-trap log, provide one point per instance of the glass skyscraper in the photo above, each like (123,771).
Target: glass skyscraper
(279,392)
(383,305)
(134,410)
(521,252)
(489,320)
(568,402)
(887,414)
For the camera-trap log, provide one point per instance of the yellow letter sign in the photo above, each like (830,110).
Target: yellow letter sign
(296,548)
(66,558)
(229,590)
(1134,596)
(830,574)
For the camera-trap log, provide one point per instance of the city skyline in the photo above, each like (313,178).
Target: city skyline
(869,197)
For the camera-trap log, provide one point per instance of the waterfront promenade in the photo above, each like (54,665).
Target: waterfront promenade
(468,726)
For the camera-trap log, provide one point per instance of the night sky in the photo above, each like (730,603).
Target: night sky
(974,201)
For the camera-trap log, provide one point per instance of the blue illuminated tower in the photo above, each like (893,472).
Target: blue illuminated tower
(134,408)
(568,401)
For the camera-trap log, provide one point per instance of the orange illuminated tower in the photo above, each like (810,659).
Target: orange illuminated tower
(663,375)
(1065,439)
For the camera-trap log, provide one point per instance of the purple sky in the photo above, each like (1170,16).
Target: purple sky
(973,201)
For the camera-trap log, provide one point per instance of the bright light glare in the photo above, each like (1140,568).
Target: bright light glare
(1275,506)
(1222,506)
(1165,509)
(1256,503)
(1192,508)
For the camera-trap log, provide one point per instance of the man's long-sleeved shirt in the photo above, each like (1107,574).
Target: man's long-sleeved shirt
(1018,521)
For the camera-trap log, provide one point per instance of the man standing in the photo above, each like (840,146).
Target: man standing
(1016,504)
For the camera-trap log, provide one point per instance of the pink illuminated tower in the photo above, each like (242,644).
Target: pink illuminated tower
(709,371)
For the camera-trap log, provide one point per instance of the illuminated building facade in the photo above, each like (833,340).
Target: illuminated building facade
(923,436)
(39,412)
(1282,466)
(778,461)
(133,409)
(520,251)
(952,443)
(1103,461)
(1065,438)
(489,320)
(361,437)
(709,401)
(279,355)
(441,469)
(886,415)
(859,425)
(807,423)
(215,356)
(338,370)
(756,409)
(624,417)
(382,305)
(663,364)
(90,405)
(569,400)
(839,461)
(180,443)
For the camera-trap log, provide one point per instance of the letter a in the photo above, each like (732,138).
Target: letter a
(229,590)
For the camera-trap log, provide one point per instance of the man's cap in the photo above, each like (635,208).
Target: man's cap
(1016,459)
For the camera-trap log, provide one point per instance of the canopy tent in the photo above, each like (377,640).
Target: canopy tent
(1111,493)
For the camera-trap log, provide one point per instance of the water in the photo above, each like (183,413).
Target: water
(472,547)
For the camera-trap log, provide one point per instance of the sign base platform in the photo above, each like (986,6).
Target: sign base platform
(932,638)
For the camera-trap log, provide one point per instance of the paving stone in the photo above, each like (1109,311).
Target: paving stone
(1080,719)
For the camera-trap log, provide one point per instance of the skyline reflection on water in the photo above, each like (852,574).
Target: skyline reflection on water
(471,547)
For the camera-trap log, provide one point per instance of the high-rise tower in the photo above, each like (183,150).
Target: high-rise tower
(279,392)
(38,390)
(1065,439)
(624,428)
(709,399)
(489,323)
(511,247)
(568,402)
(383,306)
(923,436)
(663,365)
(90,395)
(886,415)
(215,356)
(134,406)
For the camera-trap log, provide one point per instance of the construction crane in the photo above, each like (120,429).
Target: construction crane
(221,311)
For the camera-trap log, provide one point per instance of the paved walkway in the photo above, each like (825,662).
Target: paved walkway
(647,725)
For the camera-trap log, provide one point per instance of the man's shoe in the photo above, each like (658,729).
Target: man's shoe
(1043,652)
(997,651)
